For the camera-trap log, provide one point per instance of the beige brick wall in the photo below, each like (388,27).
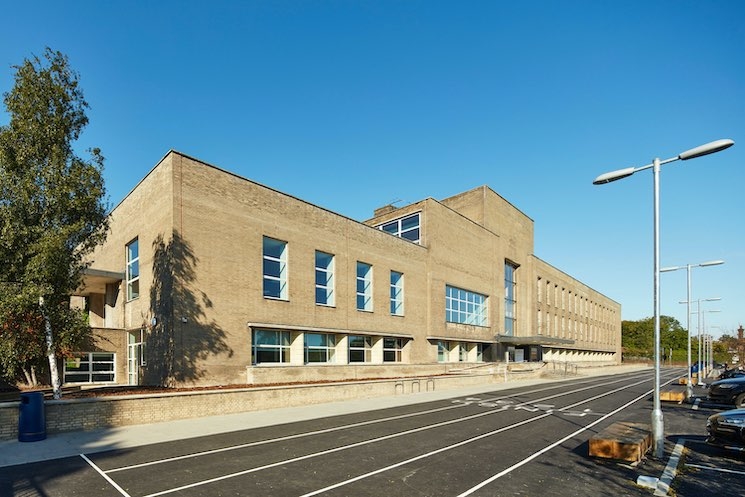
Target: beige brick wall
(105,412)
(220,219)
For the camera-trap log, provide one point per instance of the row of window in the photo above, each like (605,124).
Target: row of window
(274,347)
(275,268)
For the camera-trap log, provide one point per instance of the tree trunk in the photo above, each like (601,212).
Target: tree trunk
(53,372)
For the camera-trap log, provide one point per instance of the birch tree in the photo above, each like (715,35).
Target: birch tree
(52,211)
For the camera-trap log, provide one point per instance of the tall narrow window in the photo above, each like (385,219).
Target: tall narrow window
(364,287)
(275,268)
(133,269)
(462,306)
(397,293)
(510,302)
(443,351)
(324,278)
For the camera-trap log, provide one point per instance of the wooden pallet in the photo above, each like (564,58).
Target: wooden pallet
(623,441)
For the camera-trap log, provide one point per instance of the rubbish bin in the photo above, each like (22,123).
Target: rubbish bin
(32,423)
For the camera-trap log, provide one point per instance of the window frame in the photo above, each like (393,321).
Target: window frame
(281,346)
(90,359)
(327,295)
(325,350)
(393,347)
(365,349)
(466,307)
(133,269)
(398,228)
(270,279)
(364,293)
(397,293)
(510,298)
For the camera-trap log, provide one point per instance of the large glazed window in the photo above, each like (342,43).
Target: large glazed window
(324,278)
(133,269)
(364,287)
(465,307)
(270,347)
(407,228)
(275,268)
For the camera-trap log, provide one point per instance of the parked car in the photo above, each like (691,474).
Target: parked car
(731,373)
(727,429)
(728,391)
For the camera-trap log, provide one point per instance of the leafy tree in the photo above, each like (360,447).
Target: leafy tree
(637,337)
(52,214)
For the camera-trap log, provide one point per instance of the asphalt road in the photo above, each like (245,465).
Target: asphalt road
(526,441)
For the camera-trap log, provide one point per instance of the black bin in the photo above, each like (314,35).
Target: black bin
(32,423)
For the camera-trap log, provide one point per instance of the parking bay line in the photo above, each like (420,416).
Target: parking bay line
(485,435)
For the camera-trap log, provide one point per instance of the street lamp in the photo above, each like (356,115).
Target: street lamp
(699,312)
(689,384)
(702,314)
(709,148)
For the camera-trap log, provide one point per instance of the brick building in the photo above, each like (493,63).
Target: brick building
(209,278)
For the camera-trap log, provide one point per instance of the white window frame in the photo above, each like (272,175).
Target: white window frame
(403,227)
(281,346)
(95,361)
(510,298)
(465,307)
(278,277)
(397,293)
(366,349)
(326,350)
(364,293)
(133,269)
(325,294)
(393,347)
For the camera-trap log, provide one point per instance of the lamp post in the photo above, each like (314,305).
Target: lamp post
(709,148)
(689,384)
(699,312)
(707,347)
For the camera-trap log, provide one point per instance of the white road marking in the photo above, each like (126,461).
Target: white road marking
(105,476)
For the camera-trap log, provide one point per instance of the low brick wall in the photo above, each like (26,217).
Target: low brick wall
(112,411)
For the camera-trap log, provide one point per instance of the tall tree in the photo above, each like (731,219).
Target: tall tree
(52,211)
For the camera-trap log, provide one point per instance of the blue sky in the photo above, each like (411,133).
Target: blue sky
(352,105)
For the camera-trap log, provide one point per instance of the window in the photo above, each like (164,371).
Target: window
(275,269)
(462,352)
(462,306)
(272,347)
(364,287)
(90,367)
(392,349)
(133,269)
(360,349)
(509,298)
(324,278)
(319,347)
(406,228)
(443,351)
(397,293)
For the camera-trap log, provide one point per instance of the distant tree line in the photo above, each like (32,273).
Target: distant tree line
(637,342)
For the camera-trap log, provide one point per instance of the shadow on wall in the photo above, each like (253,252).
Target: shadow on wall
(180,338)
